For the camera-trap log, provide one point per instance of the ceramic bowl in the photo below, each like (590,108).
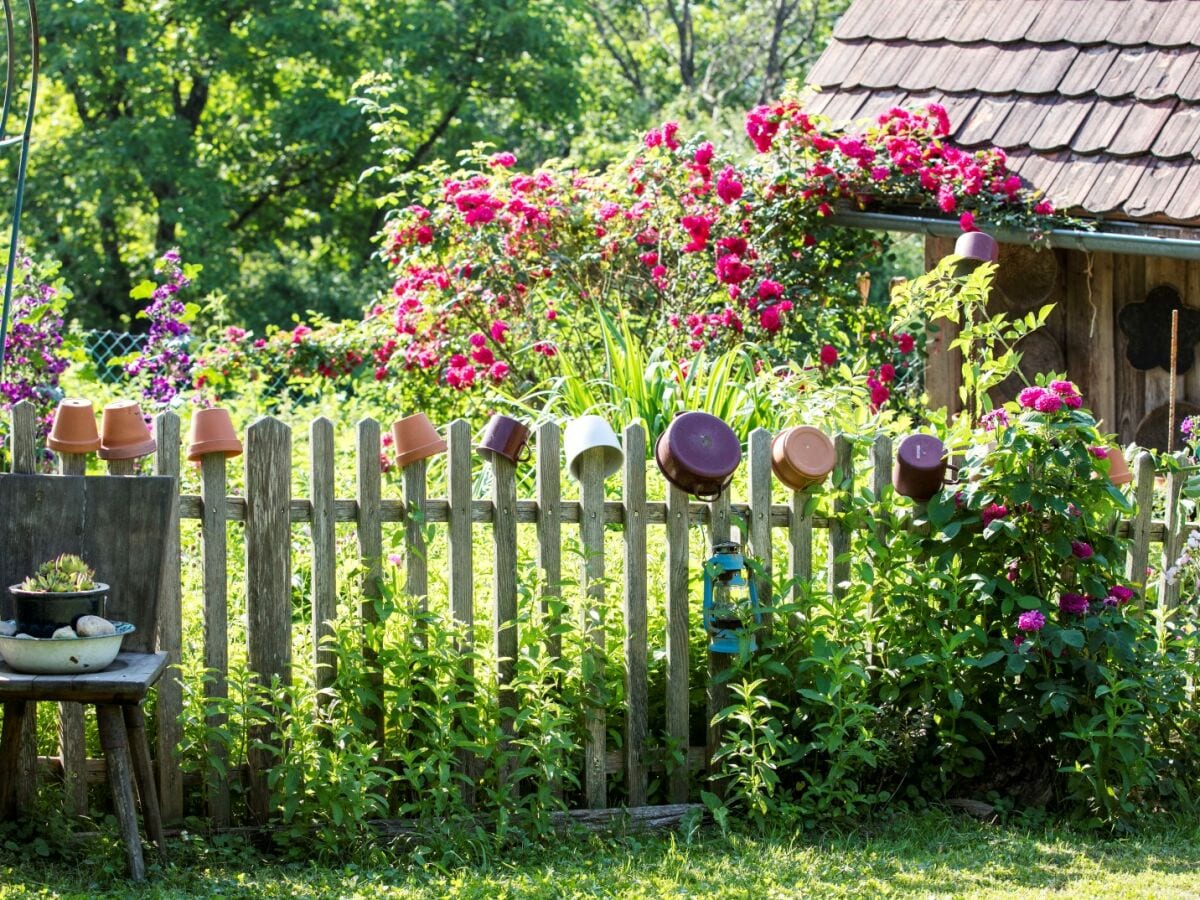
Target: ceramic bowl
(592,434)
(71,657)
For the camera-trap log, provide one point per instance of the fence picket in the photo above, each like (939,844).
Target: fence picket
(1168,591)
(758,520)
(549,527)
(881,480)
(636,698)
(415,562)
(169,731)
(72,748)
(213,550)
(461,575)
(678,725)
(370,550)
(591,534)
(504,589)
(839,535)
(800,531)
(1139,532)
(324,549)
(268,577)
(718,663)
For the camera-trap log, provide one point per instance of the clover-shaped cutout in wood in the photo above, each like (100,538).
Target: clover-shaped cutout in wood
(1148,327)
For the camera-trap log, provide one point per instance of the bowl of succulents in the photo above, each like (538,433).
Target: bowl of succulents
(60,626)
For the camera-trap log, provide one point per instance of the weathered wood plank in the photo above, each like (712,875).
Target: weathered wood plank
(416,569)
(71,745)
(120,782)
(169,702)
(268,576)
(677,638)
(1129,286)
(943,365)
(370,551)
(591,534)
(461,576)
(24,461)
(549,527)
(800,531)
(504,587)
(11,736)
(1139,550)
(1089,333)
(720,525)
(758,519)
(213,559)
(125,681)
(1161,270)
(324,552)
(839,534)
(881,481)
(1168,592)
(636,696)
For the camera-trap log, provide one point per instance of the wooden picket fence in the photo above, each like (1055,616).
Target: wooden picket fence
(270,512)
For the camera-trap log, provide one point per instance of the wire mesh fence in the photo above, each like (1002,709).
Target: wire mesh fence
(104,346)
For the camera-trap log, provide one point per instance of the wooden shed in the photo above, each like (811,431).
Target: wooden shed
(1096,102)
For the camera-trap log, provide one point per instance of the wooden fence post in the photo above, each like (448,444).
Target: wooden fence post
(591,533)
(504,589)
(549,527)
(800,530)
(71,746)
(758,525)
(214,547)
(324,562)
(678,639)
(1139,531)
(461,576)
(416,569)
(268,578)
(1168,592)
(839,535)
(169,733)
(636,698)
(370,549)
(718,663)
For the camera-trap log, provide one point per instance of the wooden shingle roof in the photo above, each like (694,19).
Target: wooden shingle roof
(1097,102)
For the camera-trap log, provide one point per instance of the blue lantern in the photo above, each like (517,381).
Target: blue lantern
(730,599)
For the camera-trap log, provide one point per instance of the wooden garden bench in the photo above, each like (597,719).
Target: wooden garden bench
(119,526)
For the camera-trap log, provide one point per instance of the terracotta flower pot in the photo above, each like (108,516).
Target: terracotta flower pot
(920,467)
(123,432)
(74,429)
(802,457)
(504,436)
(698,453)
(1118,468)
(414,438)
(212,432)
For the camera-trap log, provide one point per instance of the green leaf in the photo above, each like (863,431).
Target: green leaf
(143,291)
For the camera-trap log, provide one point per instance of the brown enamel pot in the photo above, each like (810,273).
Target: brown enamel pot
(415,438)
(74,429)
(920,467)
(504,436)
(698,453)
(802,457)
(123,432)
(212,432)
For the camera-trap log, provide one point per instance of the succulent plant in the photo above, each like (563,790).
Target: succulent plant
(62,574)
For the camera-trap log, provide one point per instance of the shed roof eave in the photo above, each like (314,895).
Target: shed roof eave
(1172,242)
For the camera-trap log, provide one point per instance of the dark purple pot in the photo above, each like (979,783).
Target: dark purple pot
(920,467)
(698,453)
(40,614)
(504,436)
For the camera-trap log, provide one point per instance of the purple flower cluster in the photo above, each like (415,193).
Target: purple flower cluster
(34,359)
(164,366)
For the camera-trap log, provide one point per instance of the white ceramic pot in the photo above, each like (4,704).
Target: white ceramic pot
(592,434)
(47,656)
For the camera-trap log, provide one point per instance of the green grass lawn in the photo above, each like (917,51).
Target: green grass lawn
(930,855)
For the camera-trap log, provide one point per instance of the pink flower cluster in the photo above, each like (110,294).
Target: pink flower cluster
(1059,395)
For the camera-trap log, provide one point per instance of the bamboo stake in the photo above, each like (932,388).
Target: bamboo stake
(1171,389)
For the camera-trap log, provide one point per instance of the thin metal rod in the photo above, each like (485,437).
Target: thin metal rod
(10,67)
(1171,390)
(22,169)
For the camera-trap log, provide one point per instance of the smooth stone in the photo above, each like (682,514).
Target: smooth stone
(24,637)
(66,633)
(8,629)
(94,626)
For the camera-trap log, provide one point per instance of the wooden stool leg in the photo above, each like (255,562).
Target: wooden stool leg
(10,756)
(139,748)
(120,777)
(72,753)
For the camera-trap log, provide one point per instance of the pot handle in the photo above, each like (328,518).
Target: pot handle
(525,455)
(709,498)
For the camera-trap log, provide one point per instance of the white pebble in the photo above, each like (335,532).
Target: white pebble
(25,637)
(94,626)
(66,633)
(8,629)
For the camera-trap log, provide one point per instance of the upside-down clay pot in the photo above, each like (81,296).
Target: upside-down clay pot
(212,432)
(123,432)
(74,429)
(415,438)
(504,436)
(1118,468)
(591,435)
(920,467)
(802,457)
(698,453)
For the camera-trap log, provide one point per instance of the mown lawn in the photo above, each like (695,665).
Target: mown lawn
(930,855)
